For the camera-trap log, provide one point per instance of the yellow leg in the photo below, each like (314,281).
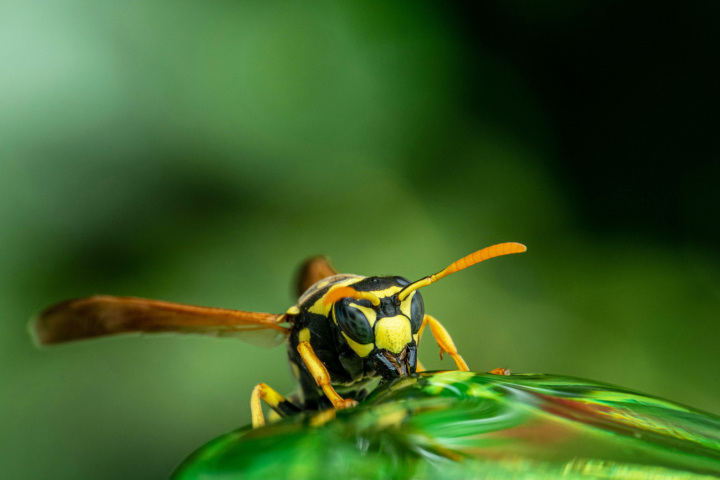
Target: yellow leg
(269,396)
(322,376)
(443,339)
(419,367)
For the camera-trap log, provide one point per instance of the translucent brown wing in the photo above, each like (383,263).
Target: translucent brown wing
(312,271)
(104,315)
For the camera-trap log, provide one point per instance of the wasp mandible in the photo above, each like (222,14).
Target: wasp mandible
(345,333)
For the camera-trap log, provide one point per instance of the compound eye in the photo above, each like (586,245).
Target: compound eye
(353,322)
(417,312)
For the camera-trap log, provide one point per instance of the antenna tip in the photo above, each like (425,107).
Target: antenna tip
(507,248)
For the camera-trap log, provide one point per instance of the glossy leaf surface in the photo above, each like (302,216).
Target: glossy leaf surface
(471,425)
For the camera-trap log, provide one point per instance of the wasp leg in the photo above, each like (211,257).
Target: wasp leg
(322,376)
(501,371)
(443,339)
(274,400)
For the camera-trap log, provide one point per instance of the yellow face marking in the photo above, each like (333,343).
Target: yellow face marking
(304,335)
(388,292)
(361,350)
(405,305)
(294,310)
(393,333)
(320,308)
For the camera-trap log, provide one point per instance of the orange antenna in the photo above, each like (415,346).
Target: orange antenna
(347,292)
(465,262)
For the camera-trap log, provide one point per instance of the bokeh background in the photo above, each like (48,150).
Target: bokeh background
(199,151)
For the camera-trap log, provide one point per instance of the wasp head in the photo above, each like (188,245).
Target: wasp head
(377,325)
(380,317)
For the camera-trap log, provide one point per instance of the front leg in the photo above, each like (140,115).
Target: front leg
(443,339)
(274,400)
(322,376)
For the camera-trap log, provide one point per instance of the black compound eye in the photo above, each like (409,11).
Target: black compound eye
(353,322)
(417,312)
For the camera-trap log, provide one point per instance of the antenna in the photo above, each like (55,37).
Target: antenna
(465,262)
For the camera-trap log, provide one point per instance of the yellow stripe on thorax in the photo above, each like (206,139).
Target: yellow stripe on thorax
(304,335)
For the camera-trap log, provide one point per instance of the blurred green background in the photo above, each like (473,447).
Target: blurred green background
(199,151)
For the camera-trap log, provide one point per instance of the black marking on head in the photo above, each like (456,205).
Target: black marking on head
(417,312)
(353,322)
(371,284)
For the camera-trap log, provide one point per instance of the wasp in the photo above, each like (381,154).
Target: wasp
(345,334)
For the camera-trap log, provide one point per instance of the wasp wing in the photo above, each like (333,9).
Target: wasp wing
(104,315)
(312,271)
